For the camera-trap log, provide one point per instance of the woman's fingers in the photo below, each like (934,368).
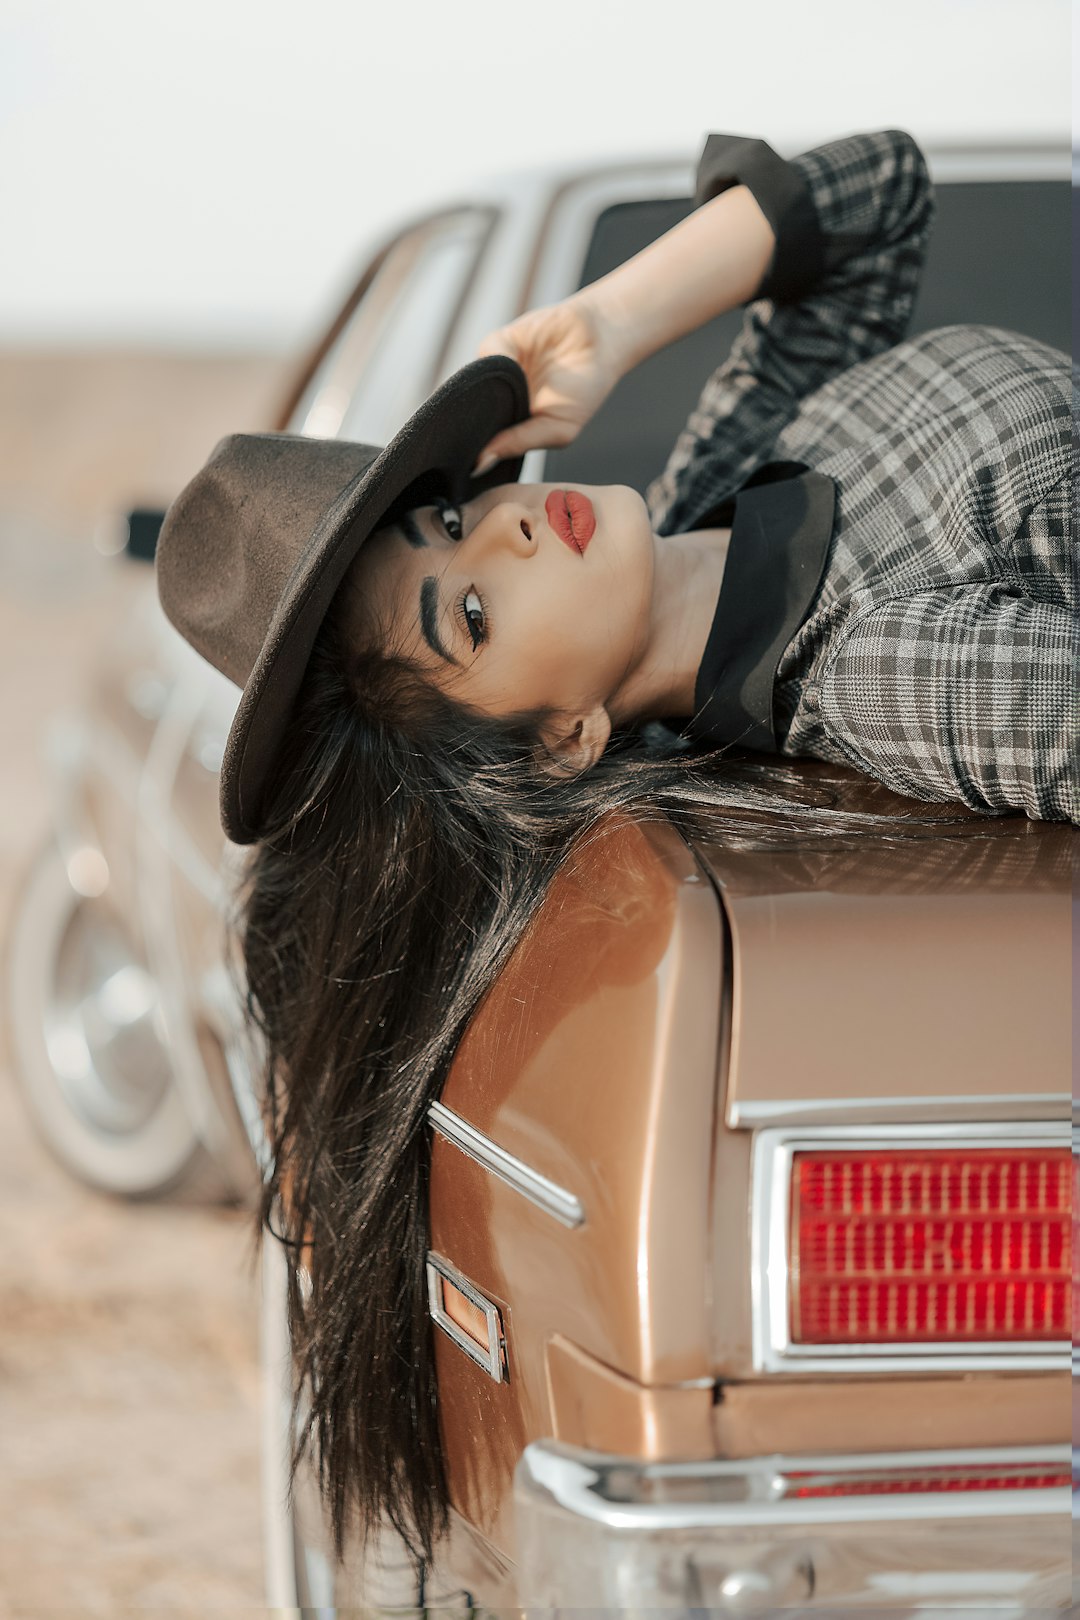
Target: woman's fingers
(501,341)
(569,367)
(537,433)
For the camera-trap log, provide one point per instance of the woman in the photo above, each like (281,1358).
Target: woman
(859,550)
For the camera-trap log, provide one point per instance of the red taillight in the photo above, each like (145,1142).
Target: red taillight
(1031,1479)
(927,1246)
(1075,1250)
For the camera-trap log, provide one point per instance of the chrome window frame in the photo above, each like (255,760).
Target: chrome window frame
(342,374)
(577,205)
(770,1181)
(574,210)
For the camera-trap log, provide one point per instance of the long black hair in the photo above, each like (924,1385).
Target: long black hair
(406,844)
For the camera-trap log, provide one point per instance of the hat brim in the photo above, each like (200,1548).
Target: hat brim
(434,451)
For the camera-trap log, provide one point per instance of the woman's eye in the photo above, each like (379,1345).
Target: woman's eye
(474,616)
(453,522)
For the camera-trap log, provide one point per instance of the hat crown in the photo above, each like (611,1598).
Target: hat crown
(238,530)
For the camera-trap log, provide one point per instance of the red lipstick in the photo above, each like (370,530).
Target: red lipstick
(572,517)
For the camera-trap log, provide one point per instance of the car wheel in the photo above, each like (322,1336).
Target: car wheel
(88,1046)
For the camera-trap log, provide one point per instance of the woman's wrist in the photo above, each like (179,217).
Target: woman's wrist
(712,261)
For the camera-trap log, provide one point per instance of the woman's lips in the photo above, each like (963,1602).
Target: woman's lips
(572,517)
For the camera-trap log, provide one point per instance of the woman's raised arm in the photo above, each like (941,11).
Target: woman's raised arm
(825,249)
(574,352)
(853,220)
(712,261)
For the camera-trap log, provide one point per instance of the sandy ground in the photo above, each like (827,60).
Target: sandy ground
(129,1465)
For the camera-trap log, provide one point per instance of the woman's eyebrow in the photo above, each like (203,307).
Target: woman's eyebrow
(429,618)
(411,530)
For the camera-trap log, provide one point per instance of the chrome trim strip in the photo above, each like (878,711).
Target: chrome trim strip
(493,1359)
(1011,1105)
(773,1350)
(1042,159)
(602,1489)
(544,1193)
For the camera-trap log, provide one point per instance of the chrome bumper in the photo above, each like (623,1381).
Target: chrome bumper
(904,1532)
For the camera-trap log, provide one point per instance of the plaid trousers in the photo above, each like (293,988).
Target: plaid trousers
(941,652)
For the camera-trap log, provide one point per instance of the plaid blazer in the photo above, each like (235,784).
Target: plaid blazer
(940,651)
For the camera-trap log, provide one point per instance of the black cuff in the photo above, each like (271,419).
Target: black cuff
(782,194)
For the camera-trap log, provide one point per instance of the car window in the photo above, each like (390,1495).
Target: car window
(1000,253)
(383,363)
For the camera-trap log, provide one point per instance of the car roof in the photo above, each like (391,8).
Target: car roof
(1040,155)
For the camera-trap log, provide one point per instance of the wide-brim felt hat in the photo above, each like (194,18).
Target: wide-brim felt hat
(253,549)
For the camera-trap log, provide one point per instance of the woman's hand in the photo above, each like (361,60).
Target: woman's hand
(572,360)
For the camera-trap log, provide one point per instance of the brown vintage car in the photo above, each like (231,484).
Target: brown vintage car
(757,1168)
(751,1180)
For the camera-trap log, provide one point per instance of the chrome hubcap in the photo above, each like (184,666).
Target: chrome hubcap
(104,1028)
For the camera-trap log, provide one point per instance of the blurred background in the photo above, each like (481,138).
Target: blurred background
(188,195)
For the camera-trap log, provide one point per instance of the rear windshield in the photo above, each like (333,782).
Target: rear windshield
(1001,253)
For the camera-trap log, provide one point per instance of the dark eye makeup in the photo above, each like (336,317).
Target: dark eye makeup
(476,619)
(480,630)
(444,506)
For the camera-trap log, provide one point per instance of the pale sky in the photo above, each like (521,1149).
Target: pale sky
(211,172)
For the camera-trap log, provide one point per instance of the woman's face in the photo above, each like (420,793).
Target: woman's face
(510,614)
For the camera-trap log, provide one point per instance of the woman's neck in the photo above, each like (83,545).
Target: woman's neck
(688,574)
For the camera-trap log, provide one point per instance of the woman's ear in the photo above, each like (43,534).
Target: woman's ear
(572,745)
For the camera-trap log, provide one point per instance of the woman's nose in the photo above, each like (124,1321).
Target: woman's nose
(506,528)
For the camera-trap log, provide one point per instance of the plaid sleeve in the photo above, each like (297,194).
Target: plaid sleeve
(852,221)
(965,693)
